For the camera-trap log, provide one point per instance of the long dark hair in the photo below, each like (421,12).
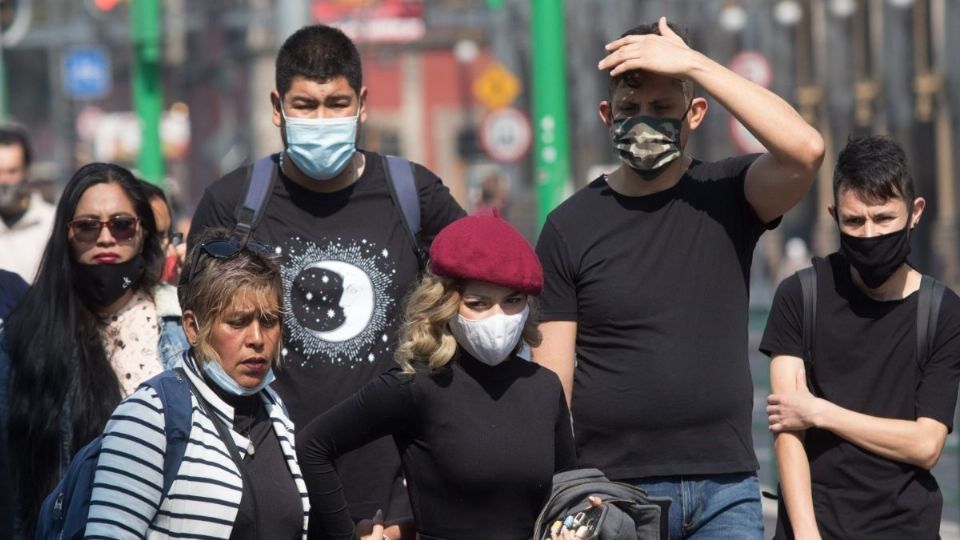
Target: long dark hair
(58,363)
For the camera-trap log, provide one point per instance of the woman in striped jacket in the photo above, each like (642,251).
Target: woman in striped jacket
(239,476)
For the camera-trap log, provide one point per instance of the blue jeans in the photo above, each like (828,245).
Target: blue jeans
(711,505)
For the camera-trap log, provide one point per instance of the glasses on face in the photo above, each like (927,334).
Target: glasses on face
(87,230)
(223,248)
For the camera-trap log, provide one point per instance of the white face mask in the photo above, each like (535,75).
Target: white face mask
(492,339)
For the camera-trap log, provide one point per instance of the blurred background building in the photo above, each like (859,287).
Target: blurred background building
(498,97)
(450,85)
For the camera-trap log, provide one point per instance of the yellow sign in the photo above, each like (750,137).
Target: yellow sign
(496,87)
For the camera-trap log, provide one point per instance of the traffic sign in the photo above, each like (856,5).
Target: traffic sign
(505,135)
(496,87)
(753,66)
(743,139)
(86,73)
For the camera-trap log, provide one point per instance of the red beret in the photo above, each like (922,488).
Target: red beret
(486,248)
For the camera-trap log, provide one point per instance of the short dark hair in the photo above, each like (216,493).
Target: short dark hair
(319,53)
(876,168)
(10,136)
(630,78)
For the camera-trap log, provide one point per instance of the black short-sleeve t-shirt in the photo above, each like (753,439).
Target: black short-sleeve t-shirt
(658,286)
(865,360)
(347,262)
(479,445)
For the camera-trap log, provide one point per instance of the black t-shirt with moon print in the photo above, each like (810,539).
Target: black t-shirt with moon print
(347,263)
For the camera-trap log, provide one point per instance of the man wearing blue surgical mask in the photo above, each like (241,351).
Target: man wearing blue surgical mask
(645,310)
(348,251)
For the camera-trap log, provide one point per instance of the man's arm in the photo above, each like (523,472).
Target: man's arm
(792,456)
(556,352)
(915,442)
(777,180)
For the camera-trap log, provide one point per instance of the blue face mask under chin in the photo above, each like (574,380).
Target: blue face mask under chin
(321,147)
(215,372)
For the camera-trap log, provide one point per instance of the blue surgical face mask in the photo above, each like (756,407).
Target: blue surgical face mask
(215,372)
(321,147)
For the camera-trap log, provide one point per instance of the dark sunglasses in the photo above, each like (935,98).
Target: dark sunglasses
(223,248)
(88,229)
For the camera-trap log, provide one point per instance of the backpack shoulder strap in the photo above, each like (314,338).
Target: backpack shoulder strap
(928,312)
(174,392)
(808,287)
(403,189)
(263,174)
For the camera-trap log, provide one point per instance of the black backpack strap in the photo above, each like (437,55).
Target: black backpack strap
(403,189)
(928,311)
(259,185)
(808,286)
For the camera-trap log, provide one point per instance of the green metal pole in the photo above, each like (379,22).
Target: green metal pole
(552,141)
(147,85)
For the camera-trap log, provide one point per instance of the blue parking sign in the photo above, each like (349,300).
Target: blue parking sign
(86,73)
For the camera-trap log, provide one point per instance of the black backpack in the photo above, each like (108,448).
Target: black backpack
(628,513)
(403,191)
(928,311)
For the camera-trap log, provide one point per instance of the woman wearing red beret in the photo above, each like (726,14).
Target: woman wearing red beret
(480,431)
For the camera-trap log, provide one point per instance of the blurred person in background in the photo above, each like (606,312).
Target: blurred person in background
(480,430)
(170,241)
(91,328)
(647,280)
(25,218)
(239,477)
(347,251)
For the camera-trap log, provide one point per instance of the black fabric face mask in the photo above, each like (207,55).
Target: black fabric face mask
(876,258)
(104,284)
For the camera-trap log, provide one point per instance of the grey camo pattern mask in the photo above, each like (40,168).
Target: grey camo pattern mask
(647,144)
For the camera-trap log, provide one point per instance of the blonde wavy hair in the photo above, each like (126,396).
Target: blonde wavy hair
(425,338)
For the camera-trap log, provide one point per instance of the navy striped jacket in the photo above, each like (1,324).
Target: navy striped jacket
(205,496)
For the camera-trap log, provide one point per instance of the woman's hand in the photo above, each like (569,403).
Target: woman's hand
(372,529)
(576,526)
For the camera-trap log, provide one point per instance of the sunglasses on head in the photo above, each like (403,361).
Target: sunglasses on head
(88,229)
(224,248)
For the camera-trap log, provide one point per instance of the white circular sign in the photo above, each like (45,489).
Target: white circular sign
(505,135)
(753,66)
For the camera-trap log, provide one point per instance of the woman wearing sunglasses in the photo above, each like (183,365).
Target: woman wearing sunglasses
(93,326)
(480,431)
(239,477)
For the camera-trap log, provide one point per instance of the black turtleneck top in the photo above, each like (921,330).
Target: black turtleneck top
(479,446)
(270,506)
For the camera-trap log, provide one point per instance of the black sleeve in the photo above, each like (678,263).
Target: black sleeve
(736,168)
(217,207)
(565,454)
(437,207)
(380,408)
(558,302)
(784,332)
(937,392)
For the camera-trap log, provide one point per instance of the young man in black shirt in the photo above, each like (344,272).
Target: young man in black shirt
(855,460)
(646,290)
(347,256)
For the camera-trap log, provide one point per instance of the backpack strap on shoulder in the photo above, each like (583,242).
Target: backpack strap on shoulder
(259,186)
(808,287)
(403,189)
(929,298)
(174,392)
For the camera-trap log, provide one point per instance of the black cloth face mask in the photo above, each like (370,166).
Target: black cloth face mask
(878,257)
(104,284)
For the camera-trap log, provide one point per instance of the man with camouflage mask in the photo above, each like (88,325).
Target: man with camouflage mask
(25,218)
(647,279)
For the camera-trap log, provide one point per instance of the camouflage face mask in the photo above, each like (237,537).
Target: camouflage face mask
(647,144)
